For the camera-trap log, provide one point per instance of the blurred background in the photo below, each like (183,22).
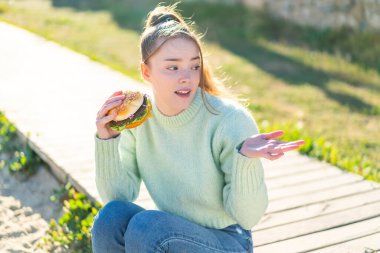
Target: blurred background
(308,67)
(311,68)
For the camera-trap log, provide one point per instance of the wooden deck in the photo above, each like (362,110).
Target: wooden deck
(315,207)
(54,94)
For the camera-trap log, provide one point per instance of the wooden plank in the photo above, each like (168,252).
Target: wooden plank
(323,239)
(146,204)
(78,165)
(70,149)
(371,242)
(320,208)
(317,224)
(144,193)
(305,199)
(298,167)
(285,162)
(65,152)
(78,159)
(331,182)
(314,175)
(288,159)
(59,140)
(81,145)
(83,176)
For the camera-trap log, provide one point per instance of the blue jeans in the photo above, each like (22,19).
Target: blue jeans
(125,227)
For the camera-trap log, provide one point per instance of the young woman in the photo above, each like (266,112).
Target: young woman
(199,156)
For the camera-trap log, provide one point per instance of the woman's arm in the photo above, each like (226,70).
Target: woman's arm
(117,176)
(245,195)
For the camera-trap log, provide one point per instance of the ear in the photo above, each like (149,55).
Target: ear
(145,71)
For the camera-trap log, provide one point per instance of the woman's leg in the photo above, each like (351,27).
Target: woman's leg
(110,224)
(157,231)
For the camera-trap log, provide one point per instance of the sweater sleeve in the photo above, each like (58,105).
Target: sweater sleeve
(116,171)
(245,196)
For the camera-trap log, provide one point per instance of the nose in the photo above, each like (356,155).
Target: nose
(185,76)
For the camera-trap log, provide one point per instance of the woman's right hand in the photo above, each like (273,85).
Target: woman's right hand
(102,119)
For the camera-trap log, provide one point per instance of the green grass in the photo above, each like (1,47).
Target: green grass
(322,85)
(72,231)
(18,157)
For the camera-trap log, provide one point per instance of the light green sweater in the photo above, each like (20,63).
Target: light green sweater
(189,163)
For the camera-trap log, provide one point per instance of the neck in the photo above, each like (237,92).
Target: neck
(182,117)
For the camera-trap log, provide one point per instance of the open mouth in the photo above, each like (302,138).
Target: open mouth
(183,93)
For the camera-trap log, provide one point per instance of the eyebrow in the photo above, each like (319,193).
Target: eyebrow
(175,59)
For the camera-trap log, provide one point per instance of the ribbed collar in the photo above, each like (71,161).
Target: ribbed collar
(181,118)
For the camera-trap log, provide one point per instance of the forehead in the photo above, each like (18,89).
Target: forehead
(179,48)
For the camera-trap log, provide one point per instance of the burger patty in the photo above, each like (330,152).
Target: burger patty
(140,112)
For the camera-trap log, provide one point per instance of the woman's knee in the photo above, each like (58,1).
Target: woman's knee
(152,223)
(145,229)
(114,214)
(148,218)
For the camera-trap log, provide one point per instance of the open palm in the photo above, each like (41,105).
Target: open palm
(264,145)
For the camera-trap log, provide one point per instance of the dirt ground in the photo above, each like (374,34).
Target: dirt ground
(26,210)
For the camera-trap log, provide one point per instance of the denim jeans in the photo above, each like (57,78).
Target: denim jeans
(122,226)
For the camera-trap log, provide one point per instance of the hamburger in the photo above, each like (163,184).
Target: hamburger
(135,109)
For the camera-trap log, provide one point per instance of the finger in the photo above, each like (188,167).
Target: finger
(286,148)
(275,142)
(298,142)
(116,93)
(118,99)
(103,121)
(107,107)
(289,144)
(271,156)
(115,98)
(272,135)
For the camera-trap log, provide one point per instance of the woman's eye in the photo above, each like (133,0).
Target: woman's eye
(176,68)
(173,68)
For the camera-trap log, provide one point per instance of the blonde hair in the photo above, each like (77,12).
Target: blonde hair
(164,23)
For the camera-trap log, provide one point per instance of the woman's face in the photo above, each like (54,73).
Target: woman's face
(174,69)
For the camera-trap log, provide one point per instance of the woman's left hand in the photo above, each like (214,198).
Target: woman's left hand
(264,145)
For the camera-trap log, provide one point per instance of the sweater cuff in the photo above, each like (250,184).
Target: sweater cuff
(106,151)
(247,175)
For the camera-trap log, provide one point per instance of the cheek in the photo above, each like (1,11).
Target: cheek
(166,75)
(196,75)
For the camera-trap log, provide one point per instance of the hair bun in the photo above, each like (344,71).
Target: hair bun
(162,14)
(162,18)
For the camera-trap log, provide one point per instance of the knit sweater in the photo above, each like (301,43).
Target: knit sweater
(190,164)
